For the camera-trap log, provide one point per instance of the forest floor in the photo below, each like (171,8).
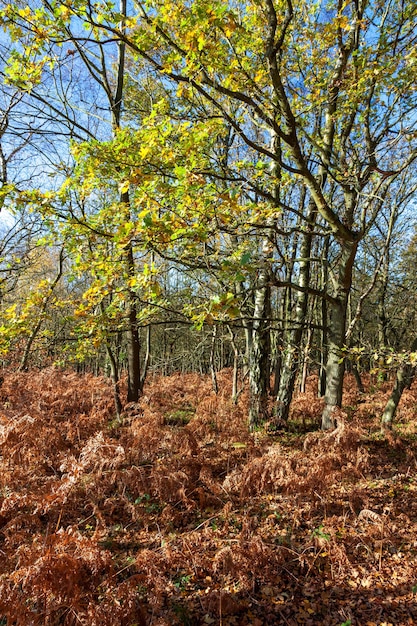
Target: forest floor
(180,516)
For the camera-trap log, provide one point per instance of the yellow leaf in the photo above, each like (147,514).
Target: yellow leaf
(124,186)
(344,22)
(238,445)
(24,12)
(130,22)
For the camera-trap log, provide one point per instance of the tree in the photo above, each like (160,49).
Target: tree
(403,379)
(404,355)
(110,80)
(361,121)
(319,97)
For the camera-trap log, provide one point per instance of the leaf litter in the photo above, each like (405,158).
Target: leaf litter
(169,521)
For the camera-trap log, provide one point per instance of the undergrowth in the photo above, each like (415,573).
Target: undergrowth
(181,516)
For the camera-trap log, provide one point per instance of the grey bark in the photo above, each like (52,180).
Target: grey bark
(259,366)
(306,357)
(260,344)
(235,365)
(403,379)
(147,358)
(335,367)
(114,372)
(323,315)
(133,341)
(293,351)
(213,372)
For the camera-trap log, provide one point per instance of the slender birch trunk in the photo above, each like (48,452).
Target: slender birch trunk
(259,365)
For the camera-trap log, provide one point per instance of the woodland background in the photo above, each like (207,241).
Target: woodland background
(207,249)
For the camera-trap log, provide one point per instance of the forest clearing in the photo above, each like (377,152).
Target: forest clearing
(180,515)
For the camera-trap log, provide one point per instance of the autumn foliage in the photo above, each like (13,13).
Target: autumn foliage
(180,516)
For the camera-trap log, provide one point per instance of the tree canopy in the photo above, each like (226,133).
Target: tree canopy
(211,165)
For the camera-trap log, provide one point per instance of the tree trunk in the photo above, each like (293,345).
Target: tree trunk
(213,372)
(132,336)
(358,378)
(114,372)
(235,365)
(147,359)
(323,315)
(306,358)
(259,366)
(292,354)
(404,378)
(382,319)
(277,367)
(335,367)
(134,382)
